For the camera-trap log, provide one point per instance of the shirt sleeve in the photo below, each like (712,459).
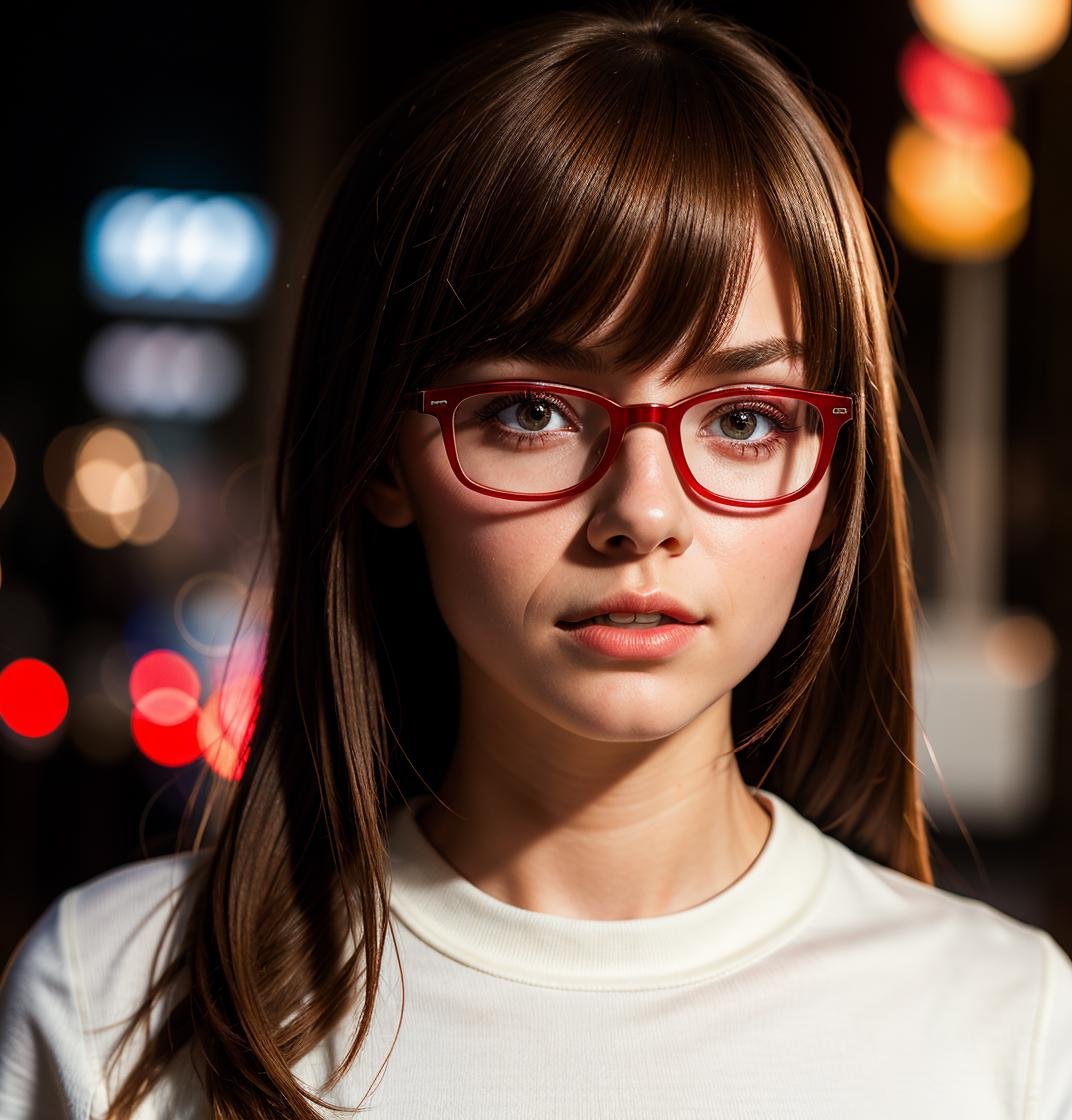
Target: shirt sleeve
(1050,1088)
(44,1061)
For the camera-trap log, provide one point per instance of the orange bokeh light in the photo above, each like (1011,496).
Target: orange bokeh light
(227,723)
(7,469)
(958,200)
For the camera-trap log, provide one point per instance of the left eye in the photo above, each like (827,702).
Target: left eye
(742,422)
(533,415)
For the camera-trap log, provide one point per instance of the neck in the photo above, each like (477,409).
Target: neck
(548,821)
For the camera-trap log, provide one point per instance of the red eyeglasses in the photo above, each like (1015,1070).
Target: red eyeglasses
(564,439)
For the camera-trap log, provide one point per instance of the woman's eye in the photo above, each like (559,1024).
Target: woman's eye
(533,416)
(528,414)
(741,423)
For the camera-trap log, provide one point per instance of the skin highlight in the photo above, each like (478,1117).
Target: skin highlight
(582,786)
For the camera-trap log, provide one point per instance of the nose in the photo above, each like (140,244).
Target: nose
(640,503)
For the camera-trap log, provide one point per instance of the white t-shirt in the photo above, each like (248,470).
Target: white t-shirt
(818,986)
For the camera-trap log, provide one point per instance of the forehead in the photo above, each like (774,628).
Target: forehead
(765,334)
(770,304)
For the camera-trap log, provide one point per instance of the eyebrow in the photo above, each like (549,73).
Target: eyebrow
(733,359)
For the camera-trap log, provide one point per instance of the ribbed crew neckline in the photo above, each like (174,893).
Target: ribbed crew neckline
(746,920)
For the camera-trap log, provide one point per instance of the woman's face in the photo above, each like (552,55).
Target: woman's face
(505,573)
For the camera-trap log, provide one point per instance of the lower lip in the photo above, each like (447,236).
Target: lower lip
(635,643)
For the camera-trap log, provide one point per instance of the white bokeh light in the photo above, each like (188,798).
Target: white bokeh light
(166,372)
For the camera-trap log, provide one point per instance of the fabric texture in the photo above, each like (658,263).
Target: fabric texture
(818,985)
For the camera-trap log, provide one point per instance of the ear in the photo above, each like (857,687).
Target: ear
(384,493)
(828,519)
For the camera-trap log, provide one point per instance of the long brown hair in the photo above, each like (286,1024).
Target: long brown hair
(510,198)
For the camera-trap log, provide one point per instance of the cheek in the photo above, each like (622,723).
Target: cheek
(481,568)
(764,561)
(759,562)
(486,558)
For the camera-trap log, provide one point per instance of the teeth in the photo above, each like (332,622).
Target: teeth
(622,618)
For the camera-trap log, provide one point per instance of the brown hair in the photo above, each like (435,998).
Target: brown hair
(510,197)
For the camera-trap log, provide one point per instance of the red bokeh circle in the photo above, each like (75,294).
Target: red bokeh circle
(33,697)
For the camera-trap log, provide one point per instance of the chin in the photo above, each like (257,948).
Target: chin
(621,716)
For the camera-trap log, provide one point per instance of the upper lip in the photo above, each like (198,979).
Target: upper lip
(654,602)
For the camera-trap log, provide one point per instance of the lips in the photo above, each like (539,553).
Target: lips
(654,602)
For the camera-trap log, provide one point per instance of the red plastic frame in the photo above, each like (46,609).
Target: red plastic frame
(441,402)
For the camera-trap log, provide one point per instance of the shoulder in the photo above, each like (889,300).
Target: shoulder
(928,920)
(1002,985)
(118,917)
(86,961)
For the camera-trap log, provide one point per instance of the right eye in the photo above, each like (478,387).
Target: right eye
(532,412)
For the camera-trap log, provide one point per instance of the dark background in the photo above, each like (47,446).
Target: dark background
(263,99)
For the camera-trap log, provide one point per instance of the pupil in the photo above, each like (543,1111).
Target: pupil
(745,429)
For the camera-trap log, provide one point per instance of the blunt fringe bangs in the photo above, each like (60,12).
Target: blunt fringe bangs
(551,174)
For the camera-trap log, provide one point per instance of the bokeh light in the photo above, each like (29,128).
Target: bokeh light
(33,697)
(7,469)
(1020,649)
(110,492)
(165,689)
(163,668)
(966,200)
(152,519)
(101,462)
(208,607)
(1010,35)
(953,97)
(166,372)
(227,723)
(189,252)
(164,727)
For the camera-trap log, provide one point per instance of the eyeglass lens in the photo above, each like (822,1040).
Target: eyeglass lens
(536,441)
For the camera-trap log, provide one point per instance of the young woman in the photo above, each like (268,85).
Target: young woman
(589,666)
